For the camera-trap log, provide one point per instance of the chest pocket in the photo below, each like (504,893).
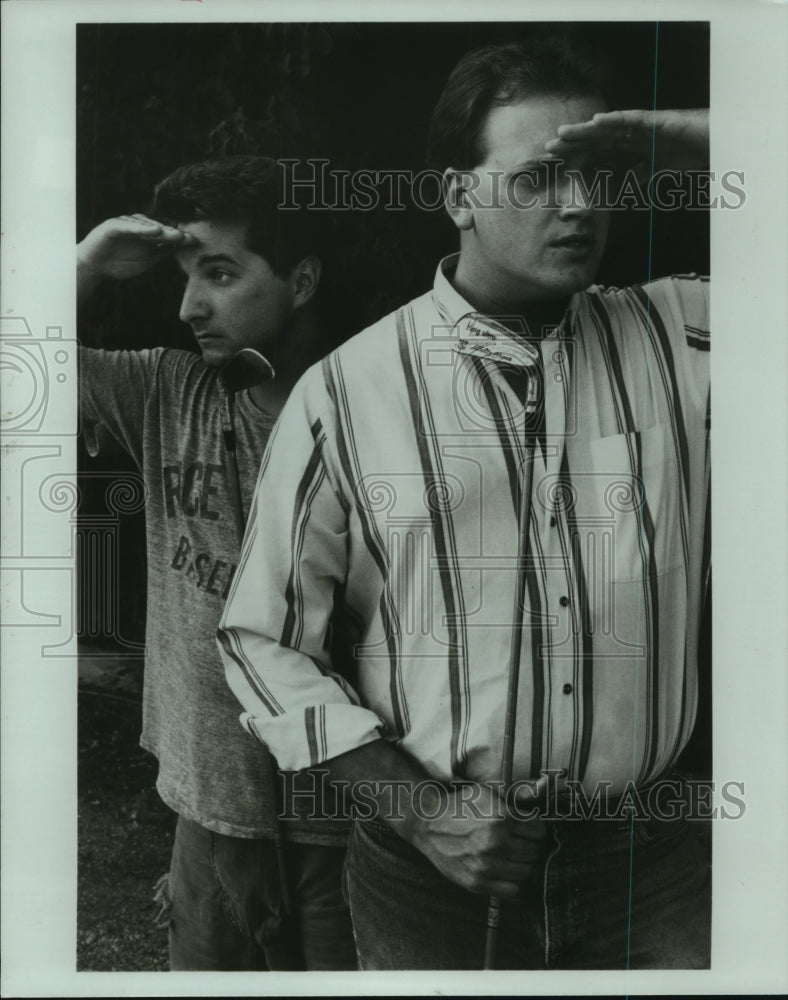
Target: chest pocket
(635,497)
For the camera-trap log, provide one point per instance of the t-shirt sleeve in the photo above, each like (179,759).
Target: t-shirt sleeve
(273,633)
(114,390)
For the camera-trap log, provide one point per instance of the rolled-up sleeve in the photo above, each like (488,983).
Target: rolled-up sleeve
(275,630)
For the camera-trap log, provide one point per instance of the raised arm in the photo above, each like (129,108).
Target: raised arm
(657,139)
(124,247)
(114,385)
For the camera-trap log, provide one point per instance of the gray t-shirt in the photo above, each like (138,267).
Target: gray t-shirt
(164,408)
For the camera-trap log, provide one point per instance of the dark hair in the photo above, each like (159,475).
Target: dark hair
(242,189)
(495,75)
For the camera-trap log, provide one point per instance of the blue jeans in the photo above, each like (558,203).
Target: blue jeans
(224,905)
(607,895)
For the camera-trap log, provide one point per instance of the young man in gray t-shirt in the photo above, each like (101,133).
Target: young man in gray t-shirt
(197,427)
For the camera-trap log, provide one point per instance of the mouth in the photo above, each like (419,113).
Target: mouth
(577,242)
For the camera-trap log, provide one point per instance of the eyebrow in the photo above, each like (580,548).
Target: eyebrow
(211,258)
(216,258)
(568,161)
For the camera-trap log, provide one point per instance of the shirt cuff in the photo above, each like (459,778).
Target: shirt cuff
(320,732)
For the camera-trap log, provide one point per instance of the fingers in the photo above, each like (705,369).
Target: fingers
(504,890)
(529,793)
(521,840)
(611,132)
(525,822)
(529,830)
(681,135)
(140,217)
(621,122)
(509,865)
(511,853)
(609,125)
(145,228)
(503,878)
(512,863)
(140,225)
(515,869)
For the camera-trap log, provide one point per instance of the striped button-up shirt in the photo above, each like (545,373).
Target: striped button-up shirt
(376,593)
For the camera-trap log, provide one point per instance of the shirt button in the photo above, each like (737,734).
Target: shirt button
(563,601)
(567,688)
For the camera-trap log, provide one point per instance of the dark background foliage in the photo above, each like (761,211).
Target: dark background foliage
(152,97)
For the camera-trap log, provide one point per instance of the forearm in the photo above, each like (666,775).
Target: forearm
(124,247)
(88,277)
(382,768)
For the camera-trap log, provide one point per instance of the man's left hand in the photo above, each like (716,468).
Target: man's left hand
(660,140)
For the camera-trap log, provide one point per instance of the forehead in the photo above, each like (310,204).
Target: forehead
(215,229)
(215,238)
(516,132)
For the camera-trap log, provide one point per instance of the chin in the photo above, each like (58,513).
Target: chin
(573,281)
(213,359)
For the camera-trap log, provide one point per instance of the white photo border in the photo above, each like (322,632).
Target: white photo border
(749,265)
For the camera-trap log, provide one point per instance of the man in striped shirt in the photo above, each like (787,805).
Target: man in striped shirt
(376,609)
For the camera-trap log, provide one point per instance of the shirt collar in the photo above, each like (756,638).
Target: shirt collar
(478,335)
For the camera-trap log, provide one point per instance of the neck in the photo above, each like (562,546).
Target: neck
(511,309)
(270,396)
(298,348)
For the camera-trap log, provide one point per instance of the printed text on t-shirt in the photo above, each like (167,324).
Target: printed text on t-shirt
(192,490)
(212,575)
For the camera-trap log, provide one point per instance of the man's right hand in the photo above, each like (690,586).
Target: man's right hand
(476,842)
(125,247)
(482,848)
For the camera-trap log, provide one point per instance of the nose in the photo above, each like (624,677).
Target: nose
(572,197)
(194,304)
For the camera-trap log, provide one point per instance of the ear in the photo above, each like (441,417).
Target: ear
(456,200)
(304,279)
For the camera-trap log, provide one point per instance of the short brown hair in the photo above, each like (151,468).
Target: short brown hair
(243,189)
(496,75)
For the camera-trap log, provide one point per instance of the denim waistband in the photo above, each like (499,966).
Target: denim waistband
(665,802)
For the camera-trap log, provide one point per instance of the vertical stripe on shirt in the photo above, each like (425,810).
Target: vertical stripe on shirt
(583,649)
(625,376)
(514,453)
(645,535)
(443,539)
(230,644)
(348,456)
(655,327)
(308,488)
